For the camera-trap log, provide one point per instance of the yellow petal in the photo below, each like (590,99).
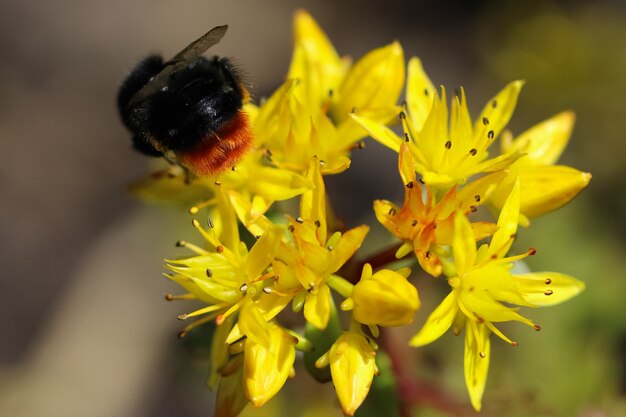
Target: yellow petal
(498,110)
(313,202)
(267,367)
(547,188)
(463,244)
(547,288)
(169,186)
(476,361)
(544,142)
(379,132)
(317,307)
(419,93)
(252,323)
(352,366)
(438,322)
(263,252)
(483,306)
(507,224)
(278,184)
(219,351)
(406,166)
(350,242)
(373,82)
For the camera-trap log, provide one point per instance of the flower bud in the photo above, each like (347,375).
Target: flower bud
(385,298)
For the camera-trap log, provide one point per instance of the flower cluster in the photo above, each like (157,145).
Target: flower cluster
(255,263)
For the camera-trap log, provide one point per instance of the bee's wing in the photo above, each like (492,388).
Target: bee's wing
(180,60)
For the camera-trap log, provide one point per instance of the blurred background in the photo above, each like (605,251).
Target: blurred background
(85,330)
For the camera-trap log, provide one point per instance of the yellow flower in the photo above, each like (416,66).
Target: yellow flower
(230,396)
(352,366)
(447,151)
(308,115)
(267,366)
(425,225)
(544,186)
(483,289)
(305,265)
(385,298)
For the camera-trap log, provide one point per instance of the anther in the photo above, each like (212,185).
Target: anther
(169,297)
(318,223)
(267,290)
(537,327)
(311,287)
(491,134)
(232,168)
(217,183)
(257,237)
(180,243)
(183,317)
(353,109)
(193,210)
(219,249)
(392,211)
(532,251)
(403,104)
(473,209)
(409,184)
(209,222)
(331,93)
(548,281)
(291,228)
(513,235)
(426,91)
(485,121)
(330,248)
(322,162)
(473,151)
(299,220)
(422,181)
(209,273)
(195,222)
(244,287)
(548,292)
(406,137)
(414,223)
(482,355)
(494,103)
(360,145)
(477,198)
(514,344)
(402,115)
(182,334)
(427,254)
(448,144)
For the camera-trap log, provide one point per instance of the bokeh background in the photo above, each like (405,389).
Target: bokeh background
(84,328)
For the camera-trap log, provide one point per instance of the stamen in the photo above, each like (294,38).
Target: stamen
(220,318)
(172,297)
(409,184)
(548,292)
(209,223)
(196,249)
(217,183)
(414,223)
(195,223)
(537,327)
(448,144)
(473,208)
(485,121)
(548,281)
(220,249)
(531,251)
(195,209)
(263,277)
(402,115)
(498,333)
(205,310)
(299,220)
(426,92)
(318,223)
(477,198)
(482,355)
(473,151)
(267,290)
(209,273)
(422,181)
(195,324)
(491,134)
(244,287)
(392,211)
(291,228)
(406,137)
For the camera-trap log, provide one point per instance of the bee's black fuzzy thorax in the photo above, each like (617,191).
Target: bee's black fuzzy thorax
(196,101)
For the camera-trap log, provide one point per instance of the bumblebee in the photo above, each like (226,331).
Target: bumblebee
(188,109)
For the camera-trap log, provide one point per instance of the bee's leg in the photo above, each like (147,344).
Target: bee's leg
(145,147)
